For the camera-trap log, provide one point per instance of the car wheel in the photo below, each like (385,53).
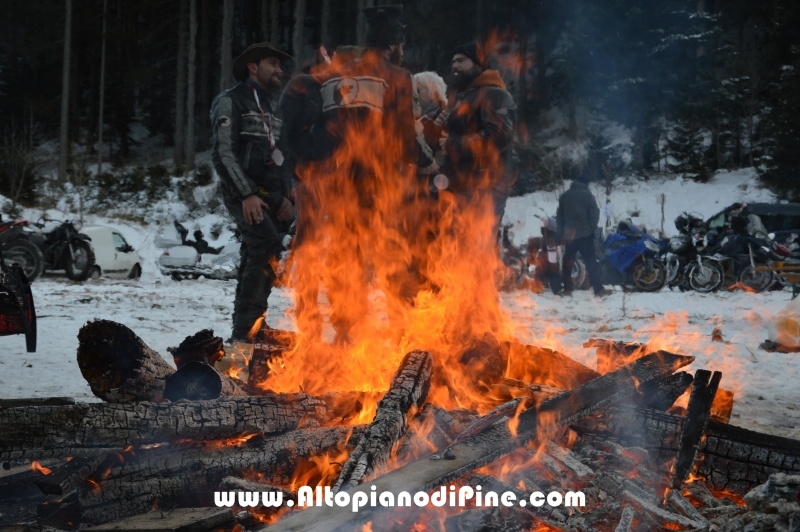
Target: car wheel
(136,272)
(95,273)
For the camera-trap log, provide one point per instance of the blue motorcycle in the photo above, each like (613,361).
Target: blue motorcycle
(629,257)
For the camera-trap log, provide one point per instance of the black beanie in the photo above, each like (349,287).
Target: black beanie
(383,25)
(473,51)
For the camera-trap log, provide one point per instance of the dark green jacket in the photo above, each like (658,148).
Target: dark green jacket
(577,214)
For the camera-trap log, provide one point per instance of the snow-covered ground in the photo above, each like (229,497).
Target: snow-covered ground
(162,312)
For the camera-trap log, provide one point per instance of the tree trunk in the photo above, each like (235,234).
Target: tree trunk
(118,365)
(264,12)
(180,88)
(64,135)
(189,476)
(203,100)
(274,22)
(325,26)
(190,99)
(226,50)
(298,45)
(100,426)
(408,389)
(102,90)
(361,22)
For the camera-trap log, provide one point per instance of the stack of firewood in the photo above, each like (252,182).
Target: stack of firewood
(167,439)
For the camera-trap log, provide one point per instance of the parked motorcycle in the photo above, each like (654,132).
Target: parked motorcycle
(679,252)
(629,257)
(736,259)
(18,249)
(63,247)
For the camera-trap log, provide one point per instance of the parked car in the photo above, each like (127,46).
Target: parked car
(114,257)
(781,219)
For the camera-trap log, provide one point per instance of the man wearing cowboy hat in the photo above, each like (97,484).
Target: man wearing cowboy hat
(248,163)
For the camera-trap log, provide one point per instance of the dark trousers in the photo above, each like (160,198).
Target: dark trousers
(584,246)
(261,245)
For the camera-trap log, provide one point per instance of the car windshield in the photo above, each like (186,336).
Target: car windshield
(119,242)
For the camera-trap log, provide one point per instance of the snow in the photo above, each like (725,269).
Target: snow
(162,311)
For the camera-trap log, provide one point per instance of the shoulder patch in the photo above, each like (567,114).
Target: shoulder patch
(223,121)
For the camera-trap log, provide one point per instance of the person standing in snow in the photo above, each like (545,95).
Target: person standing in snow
(577,218)
(478,132)
(254,189)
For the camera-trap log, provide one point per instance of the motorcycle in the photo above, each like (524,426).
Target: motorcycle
(736,259)
(63,247)
(679,252)
(630,257)
(18,249)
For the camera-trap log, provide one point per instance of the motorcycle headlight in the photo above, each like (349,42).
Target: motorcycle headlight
(77,224)
(652,246)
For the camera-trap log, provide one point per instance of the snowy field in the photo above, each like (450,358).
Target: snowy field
(162,312)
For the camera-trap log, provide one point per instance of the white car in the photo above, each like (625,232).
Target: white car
(114,257)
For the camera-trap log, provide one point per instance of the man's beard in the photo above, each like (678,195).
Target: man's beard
(462,80)
(274,85)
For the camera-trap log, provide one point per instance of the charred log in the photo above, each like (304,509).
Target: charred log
(33,432)
(177,520)
(118,365)
(662,394)
(202,346)
(188,476)
(67,477)
(729,457)
(408,389)
(698,413)
(538,365)
(197,381)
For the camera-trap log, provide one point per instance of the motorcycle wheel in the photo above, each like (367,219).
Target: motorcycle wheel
(705,277)
(27,255)
(80,265)
(673,266)
(579,279)
(649,278)
(758,280)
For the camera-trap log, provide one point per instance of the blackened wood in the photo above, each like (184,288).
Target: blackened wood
(729,458)
(197,381)
(52,431)
(432,471)
(25,473)
(268,344)
(67,477)
(704,388)
(202,346)
(36,401)
(722,407)
(187,476)
(662,394)
(626,520)
(54,503)
(118,365)
(241,484)
(177,520)
(409,388)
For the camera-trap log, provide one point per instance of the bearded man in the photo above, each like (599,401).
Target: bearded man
(478,132)
(254,189)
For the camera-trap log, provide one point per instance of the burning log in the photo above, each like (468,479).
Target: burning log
(408,389)
(662,393)
(197,381)
(729,457)
(118,365)
(538,365)
(497,441)
(67,477)
(202,346)
(188,476)
(32,432)
(694,424)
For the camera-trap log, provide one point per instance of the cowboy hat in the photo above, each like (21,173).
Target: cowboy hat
(254,54)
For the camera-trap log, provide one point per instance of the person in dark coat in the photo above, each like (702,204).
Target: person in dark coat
(254,190)
(478,131)
(577,217)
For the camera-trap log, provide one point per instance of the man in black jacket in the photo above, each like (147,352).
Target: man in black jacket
(255,191)
(479,131)
(577,219)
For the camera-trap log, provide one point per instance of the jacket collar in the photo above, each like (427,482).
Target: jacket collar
(579,184)
(488,78)
(263,95)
